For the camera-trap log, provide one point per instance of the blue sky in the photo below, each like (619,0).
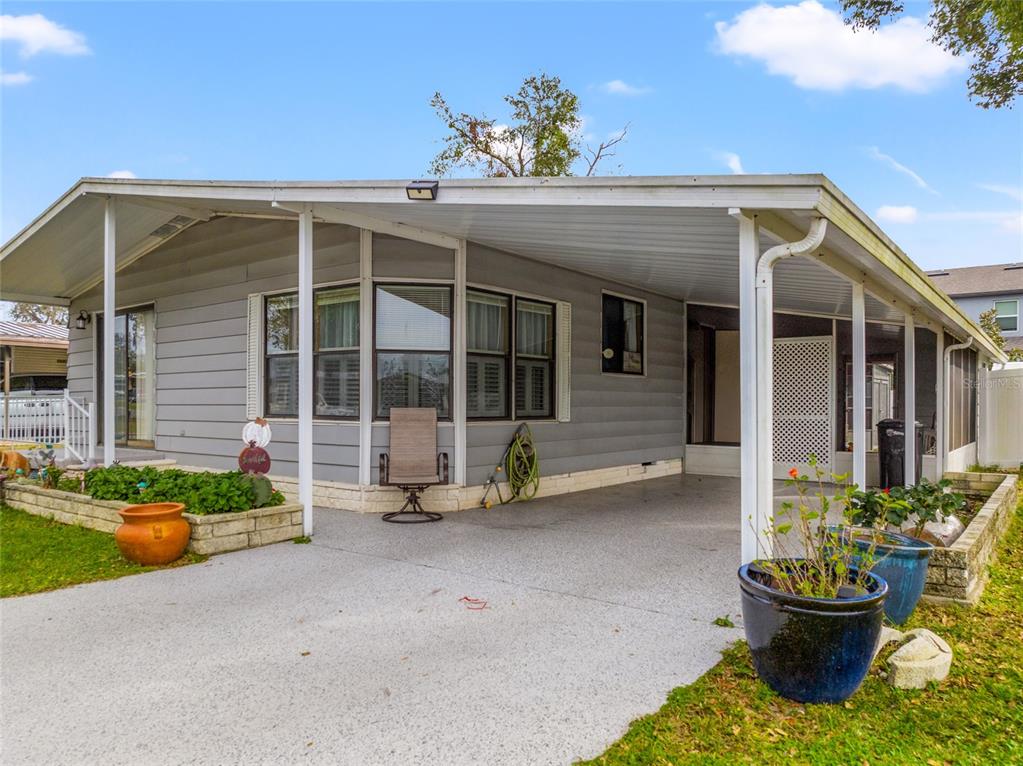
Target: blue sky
(325,91)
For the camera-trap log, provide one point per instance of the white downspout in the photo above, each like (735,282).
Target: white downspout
(945,399)
(765,369)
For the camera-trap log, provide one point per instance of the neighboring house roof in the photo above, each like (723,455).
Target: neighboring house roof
(997,279)
(33,334)
(1012,342)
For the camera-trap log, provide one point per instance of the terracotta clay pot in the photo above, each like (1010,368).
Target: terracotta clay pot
(153,533)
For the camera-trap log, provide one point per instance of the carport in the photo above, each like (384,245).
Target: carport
(760,245)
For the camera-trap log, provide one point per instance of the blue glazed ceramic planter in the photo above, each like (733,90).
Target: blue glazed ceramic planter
(810,649)
(902,563)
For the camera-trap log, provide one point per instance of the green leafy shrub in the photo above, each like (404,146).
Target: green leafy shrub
(919,504)
(202,493)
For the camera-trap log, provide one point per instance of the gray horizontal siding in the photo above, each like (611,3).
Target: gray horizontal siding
(199,288)
(615,419)
(199,285)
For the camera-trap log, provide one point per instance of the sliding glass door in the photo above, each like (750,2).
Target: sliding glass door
(134,377)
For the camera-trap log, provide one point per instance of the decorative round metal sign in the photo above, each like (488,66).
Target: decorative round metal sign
(254,460)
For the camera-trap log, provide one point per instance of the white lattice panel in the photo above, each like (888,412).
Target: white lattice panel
(803,401)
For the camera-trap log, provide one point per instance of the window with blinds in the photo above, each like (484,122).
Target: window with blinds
(413,348)
(487,352)
(534,359)
(335,355)
(510,357)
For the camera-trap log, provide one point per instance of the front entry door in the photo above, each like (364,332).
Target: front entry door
(804,402)
(134,377)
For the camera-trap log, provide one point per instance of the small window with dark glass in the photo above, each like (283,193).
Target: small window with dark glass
(413,348)
(534,359)
(623,350)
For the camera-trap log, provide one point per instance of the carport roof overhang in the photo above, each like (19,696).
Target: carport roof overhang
(673,235)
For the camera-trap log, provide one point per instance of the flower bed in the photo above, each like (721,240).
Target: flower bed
(959,572)
(211,532)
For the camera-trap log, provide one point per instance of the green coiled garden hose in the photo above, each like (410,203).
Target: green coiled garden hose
(522,465)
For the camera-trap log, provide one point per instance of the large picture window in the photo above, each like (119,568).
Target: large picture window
(413,348)
(622,350)
(335,355)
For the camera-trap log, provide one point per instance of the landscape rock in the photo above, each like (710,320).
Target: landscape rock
(888,635)
(924,657)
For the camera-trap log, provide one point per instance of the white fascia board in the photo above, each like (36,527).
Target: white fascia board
(42,219)
(803,193)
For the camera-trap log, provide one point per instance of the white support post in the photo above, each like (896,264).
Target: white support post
(109,320)
(92,432)
(685,380)
(458,364)
(940,411)
(366,381)
(859,375)
(66,414)
(909,396)
(305,367)
(752,523)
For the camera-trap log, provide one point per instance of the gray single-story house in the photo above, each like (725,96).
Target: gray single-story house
(727,325)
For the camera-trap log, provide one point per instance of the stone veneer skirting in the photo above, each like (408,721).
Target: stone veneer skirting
(960,572)
(212,533)
(448,498)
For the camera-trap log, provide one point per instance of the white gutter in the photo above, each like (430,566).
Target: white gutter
(765,358)
(945,373)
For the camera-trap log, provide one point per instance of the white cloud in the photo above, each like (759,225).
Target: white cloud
(622,88)
(732,160)
(1005,220)
(37,34)
(15,78)
(1009,220)
(812,46)
(874,153)
(121,174)
(897,213)
(1015,192)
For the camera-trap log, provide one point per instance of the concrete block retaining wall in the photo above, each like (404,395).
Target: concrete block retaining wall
(213,533)
(959,573)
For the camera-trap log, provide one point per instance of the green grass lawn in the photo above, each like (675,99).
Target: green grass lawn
(974,717)
(38,554)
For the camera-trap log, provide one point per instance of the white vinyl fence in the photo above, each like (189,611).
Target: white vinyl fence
(1001,416)
(50,420)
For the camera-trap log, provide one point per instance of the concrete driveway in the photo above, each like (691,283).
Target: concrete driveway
(356,649)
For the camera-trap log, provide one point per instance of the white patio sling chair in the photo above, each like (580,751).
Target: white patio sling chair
(412,462)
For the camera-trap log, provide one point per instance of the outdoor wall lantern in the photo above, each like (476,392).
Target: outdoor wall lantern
(82,320)
(422,190)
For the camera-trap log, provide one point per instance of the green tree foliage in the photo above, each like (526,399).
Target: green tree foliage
(989,325)
(989,32)
(542,138)
(38,313)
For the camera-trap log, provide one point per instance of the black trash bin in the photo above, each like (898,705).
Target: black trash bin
(891,451)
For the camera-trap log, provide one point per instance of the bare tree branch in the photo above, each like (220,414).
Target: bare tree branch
(602,152)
